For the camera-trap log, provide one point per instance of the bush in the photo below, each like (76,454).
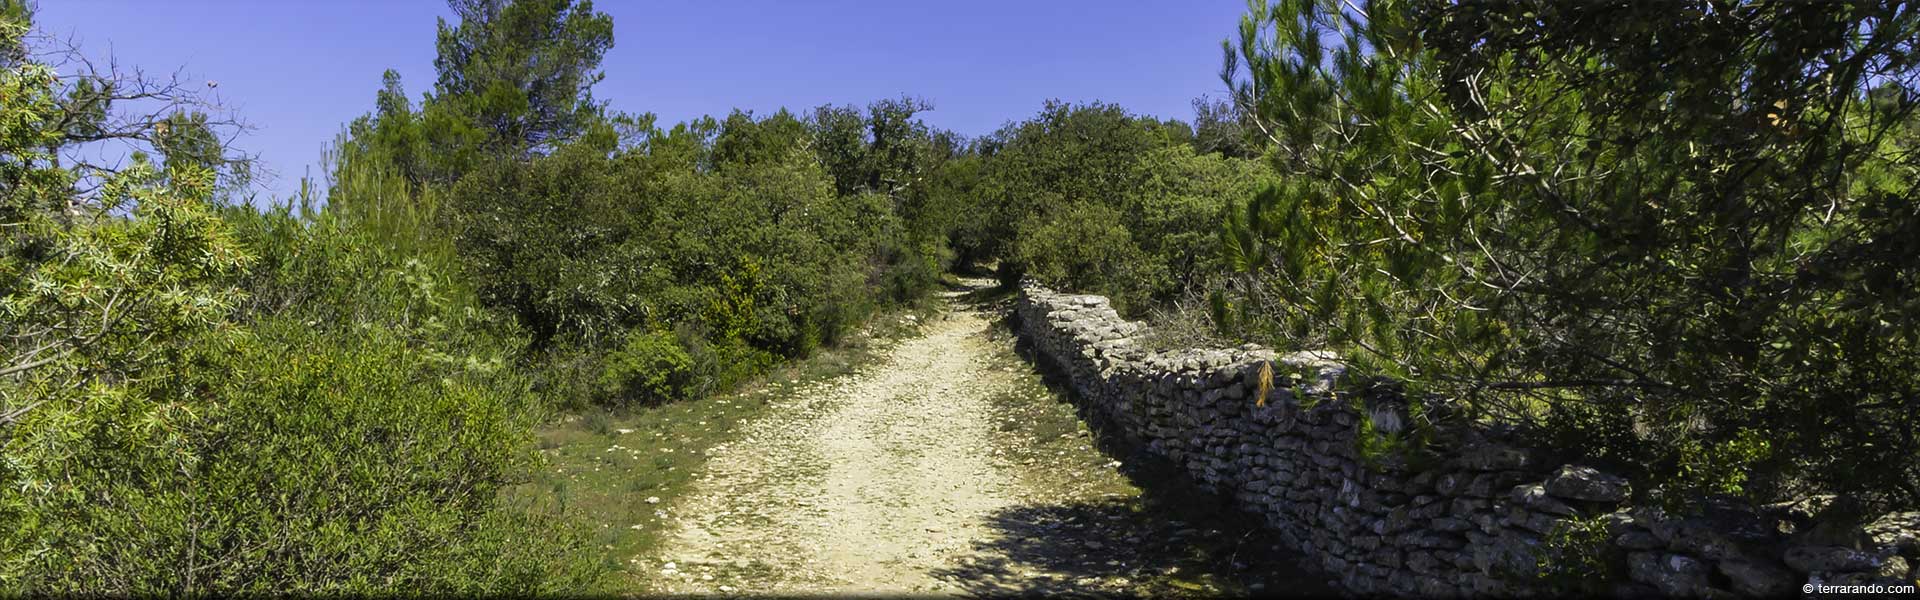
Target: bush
(566,375)
(650,368)
(740,236)
(338,429)
(302,462)
(1095,199)
(720,365)
(1086,247)
(1176,212)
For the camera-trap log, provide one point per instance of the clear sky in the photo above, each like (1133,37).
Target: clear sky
(299,69)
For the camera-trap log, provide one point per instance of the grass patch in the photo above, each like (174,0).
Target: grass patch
(1041,433)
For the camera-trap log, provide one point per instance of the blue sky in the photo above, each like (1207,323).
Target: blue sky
(299,69)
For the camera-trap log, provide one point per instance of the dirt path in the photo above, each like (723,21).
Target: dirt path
(927,472)
(870,483)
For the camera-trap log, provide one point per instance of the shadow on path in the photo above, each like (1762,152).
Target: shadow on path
(1118,547)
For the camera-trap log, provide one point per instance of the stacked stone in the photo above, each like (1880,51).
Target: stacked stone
(1763,551)
(1473,523)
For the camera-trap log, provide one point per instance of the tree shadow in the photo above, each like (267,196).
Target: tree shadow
(1125,547)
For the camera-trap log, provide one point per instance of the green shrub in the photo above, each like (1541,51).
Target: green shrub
(650,368)
(739,235)
(1097,200)
(1579,559)
(301,462)
(566,375)
(206,401)
(1088,248)
(1175,213)
(721,365)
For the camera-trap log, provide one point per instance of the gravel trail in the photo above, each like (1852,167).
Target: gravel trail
(872,483)
(948,467)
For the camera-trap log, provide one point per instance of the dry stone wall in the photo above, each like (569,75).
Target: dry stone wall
(1473,518)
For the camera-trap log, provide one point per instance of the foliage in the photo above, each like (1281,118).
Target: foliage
(888,153)
(1220,127)
(884,150)
(378,362)
(184,139)
(380,470)
(759,249)
(1086,247)
(101,318)
(1064,156)
(1578,557)
(1182,196)
(650,368)
(516,75)
(1677,240)
(750,239)
(1095,199)
(534,239)
(1649,233)
(206,399)
(1376,446)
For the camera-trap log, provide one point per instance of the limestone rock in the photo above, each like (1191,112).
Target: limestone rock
(1507,553)
(1534,497)
(1809,559)
(1495,457)
(1900,531)
(1633,589)
(1702,540)
(1472,523)
(1531,521)
(1420,482)
(1468,506)
(1434,587)
(1895,567)
(1672,574)
(1756,578)
(1638,539)
(1587,484)
(1431,540)
(1450,524)
(1485,485)
(1423,562)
